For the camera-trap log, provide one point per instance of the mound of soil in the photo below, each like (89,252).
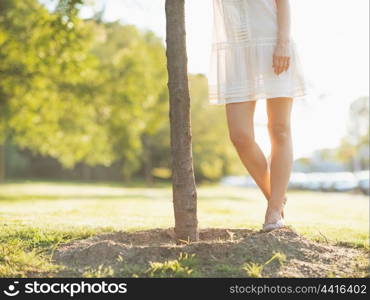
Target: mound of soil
(218,253)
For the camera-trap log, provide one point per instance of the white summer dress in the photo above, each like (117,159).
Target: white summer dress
(244,37)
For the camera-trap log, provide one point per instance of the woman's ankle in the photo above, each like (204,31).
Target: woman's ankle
(272,215)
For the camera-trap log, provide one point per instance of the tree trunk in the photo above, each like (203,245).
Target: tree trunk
(183,180)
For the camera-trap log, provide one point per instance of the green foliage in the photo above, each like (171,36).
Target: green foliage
(100,272)
(26,250)
(69,8)
(255,270)
(214,155)
(16,262)
(47,75)
(132,270)
(180,267)
(279,257)
(71,94)
(86,91)
(132,89)
(354,147)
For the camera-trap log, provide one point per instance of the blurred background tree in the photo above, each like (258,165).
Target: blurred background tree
(354,148)
(87,99)
(46,74)
(86,95)
(132,92)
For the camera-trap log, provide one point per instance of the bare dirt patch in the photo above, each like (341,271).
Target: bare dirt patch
(218,253)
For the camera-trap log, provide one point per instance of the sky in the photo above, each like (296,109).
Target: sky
(333,42)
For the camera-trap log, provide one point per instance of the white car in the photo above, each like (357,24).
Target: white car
(363,181)
(344,181)
(297,180)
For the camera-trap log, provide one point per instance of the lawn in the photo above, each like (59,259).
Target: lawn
(36,218)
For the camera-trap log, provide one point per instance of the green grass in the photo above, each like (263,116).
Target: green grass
(99,272)
(180,267)
(35,217)
(255,270)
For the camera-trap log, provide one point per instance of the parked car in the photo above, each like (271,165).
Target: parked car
(234,181)
(363,181)
(313,181)
(297,180)
(327,184)
(344,181)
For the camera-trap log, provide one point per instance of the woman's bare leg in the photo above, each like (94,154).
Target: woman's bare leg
(241,132)
(279,112)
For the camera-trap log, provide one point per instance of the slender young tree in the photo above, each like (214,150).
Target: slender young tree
(183,180)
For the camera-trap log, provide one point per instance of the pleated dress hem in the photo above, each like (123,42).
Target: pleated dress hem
(300,94)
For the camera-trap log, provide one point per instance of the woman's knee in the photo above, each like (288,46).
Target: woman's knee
(241,137)
(280,132)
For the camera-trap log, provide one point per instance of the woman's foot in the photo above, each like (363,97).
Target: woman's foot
(271,226)
(284,203)
(274,217)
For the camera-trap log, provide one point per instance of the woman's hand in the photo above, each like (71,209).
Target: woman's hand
(281,57)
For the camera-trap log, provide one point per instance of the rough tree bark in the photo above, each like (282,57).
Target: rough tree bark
(183,180)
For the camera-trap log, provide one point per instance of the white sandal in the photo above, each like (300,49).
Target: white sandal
(271,226)
(278,224)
